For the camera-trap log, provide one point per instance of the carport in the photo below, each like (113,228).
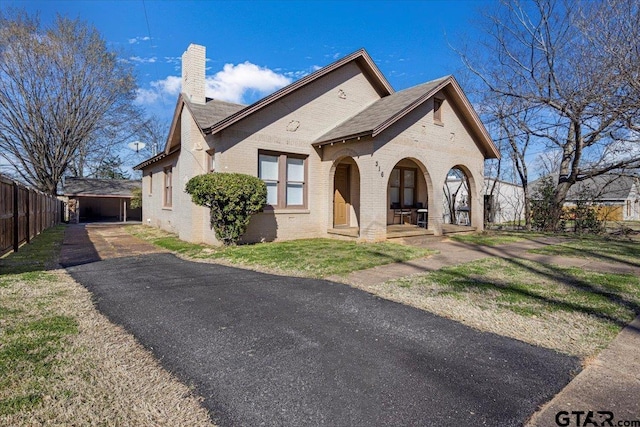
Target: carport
(90,200)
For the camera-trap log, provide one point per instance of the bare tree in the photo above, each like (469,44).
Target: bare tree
(63,93)
(152,135)
(559,91)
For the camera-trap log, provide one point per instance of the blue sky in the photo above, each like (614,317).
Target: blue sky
(272,42)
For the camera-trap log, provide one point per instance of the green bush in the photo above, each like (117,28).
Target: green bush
(543,208)
(136,198)
(232,198)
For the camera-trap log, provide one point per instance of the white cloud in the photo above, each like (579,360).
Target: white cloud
(143,60)
(170,86)
(235,82)
(240,83)
(139,39)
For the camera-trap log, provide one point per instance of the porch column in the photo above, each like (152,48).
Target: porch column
(373,201)
(477,203)
(436,208)
(124,207)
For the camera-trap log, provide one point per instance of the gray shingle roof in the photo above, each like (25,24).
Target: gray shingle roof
(607,187)
(381,111)
(603,187)
(99,187)
(212,112)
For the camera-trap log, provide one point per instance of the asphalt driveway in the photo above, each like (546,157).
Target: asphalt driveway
(272,350)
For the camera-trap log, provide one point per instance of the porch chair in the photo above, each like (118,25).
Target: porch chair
(400,213)
(422,215)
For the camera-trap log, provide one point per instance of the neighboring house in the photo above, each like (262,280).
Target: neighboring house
(340,151)
(91,199)
(616,196)
(503,200)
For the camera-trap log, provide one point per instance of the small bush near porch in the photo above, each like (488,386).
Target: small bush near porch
(305,257)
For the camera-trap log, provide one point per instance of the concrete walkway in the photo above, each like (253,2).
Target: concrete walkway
(610,383)
(455,253)
(85,243)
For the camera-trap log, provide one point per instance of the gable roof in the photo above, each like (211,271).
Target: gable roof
(388,110)
(215,116)
(361,57)
(91,187)
(379,115)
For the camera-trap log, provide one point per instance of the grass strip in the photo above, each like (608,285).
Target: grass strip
(306,257)
(32,333)
(493,238)
(63,363)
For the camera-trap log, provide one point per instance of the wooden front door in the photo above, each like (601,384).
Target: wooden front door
(341,196)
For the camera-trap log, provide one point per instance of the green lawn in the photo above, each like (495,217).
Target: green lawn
(493,238)
(39,255)
(601,248)
(32,331)
(307,257)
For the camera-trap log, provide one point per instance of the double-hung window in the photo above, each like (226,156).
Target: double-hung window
(168,187)
(402,187)
(285,177)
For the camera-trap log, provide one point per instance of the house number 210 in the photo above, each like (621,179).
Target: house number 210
(381,172)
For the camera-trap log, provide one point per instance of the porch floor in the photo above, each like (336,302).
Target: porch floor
(345,231)
(398,231)
(454,229)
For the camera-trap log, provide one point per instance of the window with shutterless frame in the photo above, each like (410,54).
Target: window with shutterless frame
(437,110)
(285,175)
(211,160)
(168,187)
(402,186)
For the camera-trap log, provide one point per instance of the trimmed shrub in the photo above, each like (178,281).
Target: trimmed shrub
(231,198)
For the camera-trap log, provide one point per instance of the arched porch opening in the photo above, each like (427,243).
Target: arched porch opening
(408,194)
(457,201)
(345,206)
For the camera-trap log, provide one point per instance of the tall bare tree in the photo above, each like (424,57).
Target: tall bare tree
(542,60)
(62,93)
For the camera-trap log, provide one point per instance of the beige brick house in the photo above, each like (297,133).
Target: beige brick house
(341,153)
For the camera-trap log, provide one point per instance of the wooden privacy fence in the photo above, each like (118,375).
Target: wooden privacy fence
(24,213)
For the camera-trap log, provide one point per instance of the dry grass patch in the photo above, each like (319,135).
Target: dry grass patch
(76,368)
(63,363)
(566,309)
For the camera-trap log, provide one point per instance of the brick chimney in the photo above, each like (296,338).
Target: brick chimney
(193,82)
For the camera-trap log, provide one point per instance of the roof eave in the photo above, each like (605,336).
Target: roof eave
(343,139)
(149,161)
